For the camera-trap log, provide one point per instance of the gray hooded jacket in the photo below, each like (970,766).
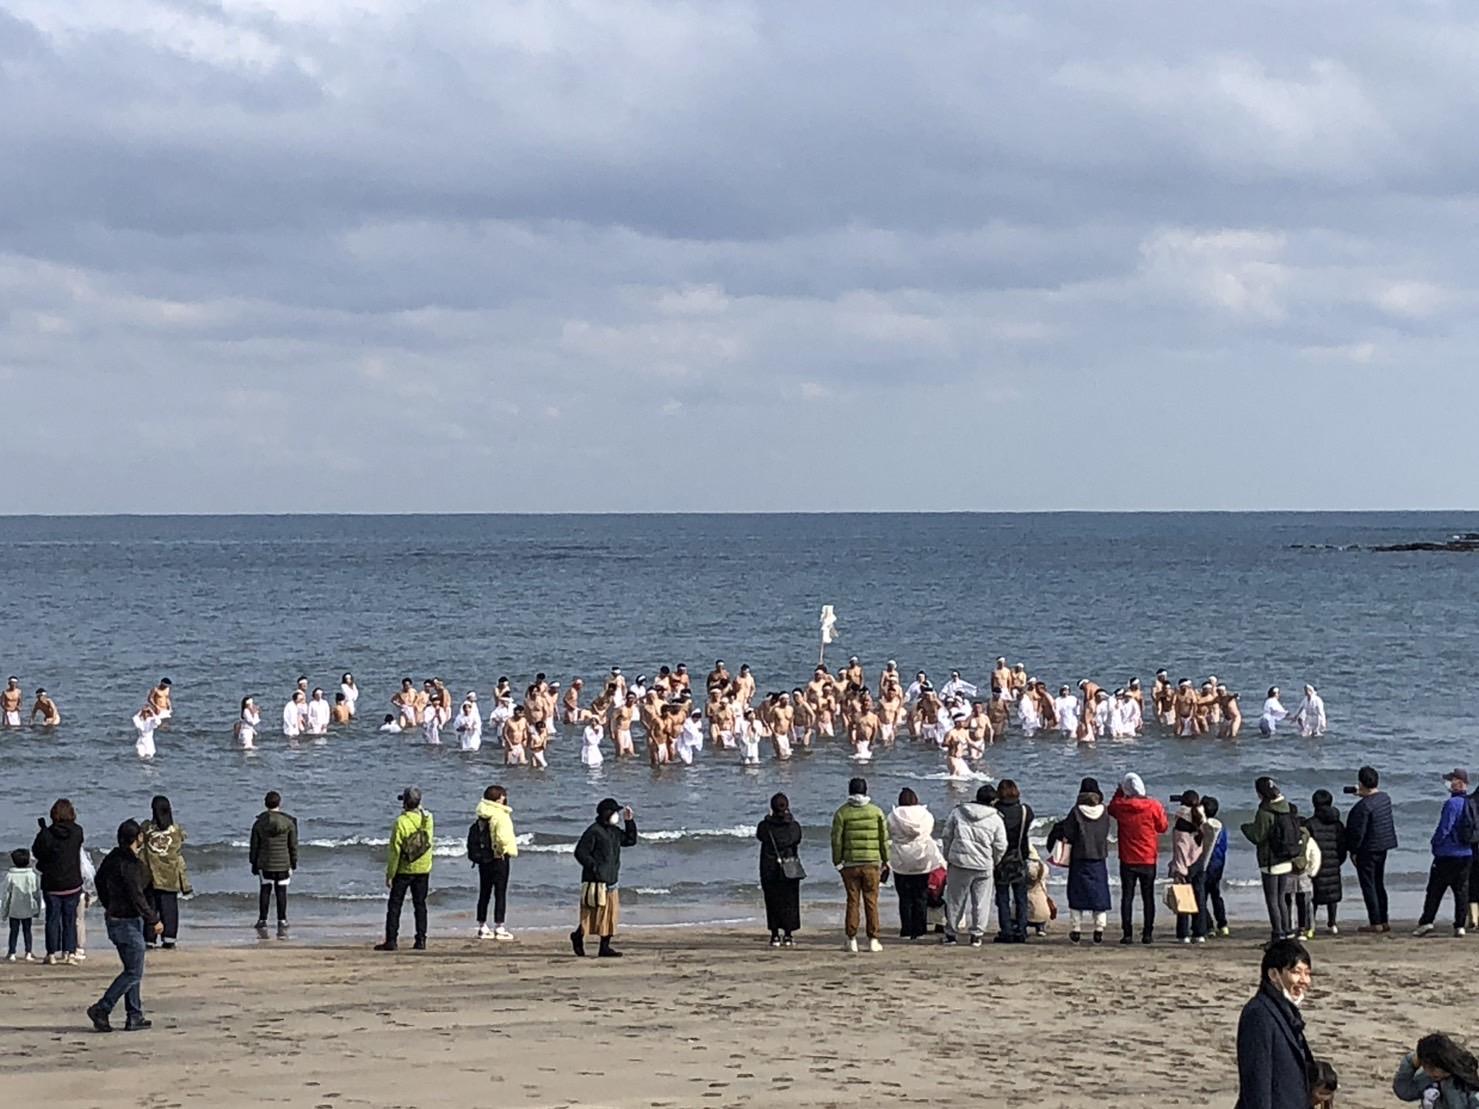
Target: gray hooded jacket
(975,837)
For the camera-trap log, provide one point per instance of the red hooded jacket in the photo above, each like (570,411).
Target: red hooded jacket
(1140,821)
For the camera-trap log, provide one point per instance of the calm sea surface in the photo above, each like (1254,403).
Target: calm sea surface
(97,609)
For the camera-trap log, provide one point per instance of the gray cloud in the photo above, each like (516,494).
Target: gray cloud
(290,255)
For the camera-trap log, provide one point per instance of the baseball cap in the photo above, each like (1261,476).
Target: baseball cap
(410,796)
(1459,774)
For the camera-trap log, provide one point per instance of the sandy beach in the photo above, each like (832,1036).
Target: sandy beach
(704,1019)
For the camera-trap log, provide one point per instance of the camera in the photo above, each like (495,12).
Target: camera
(1352,790)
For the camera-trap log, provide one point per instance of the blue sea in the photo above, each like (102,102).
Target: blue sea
(97,609)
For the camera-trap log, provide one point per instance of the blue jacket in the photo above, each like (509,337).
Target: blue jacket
(1369,826)
(1219,851)
(1446,841)
(1273,1058)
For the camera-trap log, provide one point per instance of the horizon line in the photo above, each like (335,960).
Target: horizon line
(101,515)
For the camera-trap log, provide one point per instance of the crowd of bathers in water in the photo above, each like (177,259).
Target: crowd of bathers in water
(674,724)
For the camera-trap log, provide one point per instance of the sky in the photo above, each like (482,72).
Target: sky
(323,255)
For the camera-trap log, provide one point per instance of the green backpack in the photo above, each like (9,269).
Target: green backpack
(416,844)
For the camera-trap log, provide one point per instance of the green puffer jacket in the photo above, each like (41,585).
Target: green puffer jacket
(859,834)
(163,859)
(1256,832)
(274,848)
(406,825)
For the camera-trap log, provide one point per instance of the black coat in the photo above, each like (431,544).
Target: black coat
(1370,827)
(599,851)
(1273,1058)
(58,853)
(121,882)
(783,835)
(1328,833)
(1014,814)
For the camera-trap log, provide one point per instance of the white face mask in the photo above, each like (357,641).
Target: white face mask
(614,818)
(1289,997)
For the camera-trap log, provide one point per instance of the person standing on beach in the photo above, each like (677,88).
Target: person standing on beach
(1011,870)
(1214,911)
(491,843)
(1274,1061)
(1141,822)
(860,851)
(599,856)
(165,862)
(1084,832)
(1276,833)
(780,840)
(57,850)
(273,855)
(1453,852)
(911,833)
(1370,832)
(1328,832)
(121,882)
(408,868)
(974,841)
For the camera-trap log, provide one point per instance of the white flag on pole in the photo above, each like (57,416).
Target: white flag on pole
(829,624)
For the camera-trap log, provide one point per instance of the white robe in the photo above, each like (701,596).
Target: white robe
(1067,709)
(431,729)
(293,718)
(1028,715)
(145,726)
(318,717)
(470,729)
(957,688)
(351,695)
(1273,712)
(1310,716)
(246,728)
(590,747)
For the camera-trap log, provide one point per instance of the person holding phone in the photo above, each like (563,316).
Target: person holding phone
(121,883)
(599,856)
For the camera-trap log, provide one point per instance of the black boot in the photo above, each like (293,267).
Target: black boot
(606,952)
(577,942)
(1127,936)
(1148,936)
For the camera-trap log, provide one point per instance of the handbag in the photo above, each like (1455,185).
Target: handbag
(593,895)
(1062,853)
(1181,899)
(791,868)
(1013,865)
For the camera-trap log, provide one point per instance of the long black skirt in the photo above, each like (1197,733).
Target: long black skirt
(782,904)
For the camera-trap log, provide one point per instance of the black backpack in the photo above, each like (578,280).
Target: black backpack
(1468,825)
(479,844)
(1286,838)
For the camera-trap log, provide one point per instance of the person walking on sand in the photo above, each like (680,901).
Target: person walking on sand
(974,841)
(1453,852)
(1274,1061)
(273,855)
(860,852)
(1141,823)
(1083,835)
(599,856)
(780,870)
(163,858)
(57,850)
(911,832)
(121,880)
(491,843)
(1439,1073)
(1276,833)
(408,868)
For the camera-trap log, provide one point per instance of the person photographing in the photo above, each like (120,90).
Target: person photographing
(1370,833)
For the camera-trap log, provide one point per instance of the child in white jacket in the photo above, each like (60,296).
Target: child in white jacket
(20,900)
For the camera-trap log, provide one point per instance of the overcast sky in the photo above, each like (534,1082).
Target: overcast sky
(316,255)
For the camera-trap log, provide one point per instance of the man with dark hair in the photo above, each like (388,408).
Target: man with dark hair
(1273,1057)
(408,868)
(860,853)
(273,856)
(121,880)
(1370,833)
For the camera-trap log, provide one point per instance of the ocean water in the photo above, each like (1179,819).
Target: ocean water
(97,609)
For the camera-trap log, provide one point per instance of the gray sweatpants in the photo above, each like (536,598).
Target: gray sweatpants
(967,900)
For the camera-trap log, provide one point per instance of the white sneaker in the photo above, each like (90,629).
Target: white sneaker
(1335,929)
(10,958)
(1422,929)
(1459,933)
(851,945)
(874,945)
(502,933)
(30,958)
(484,932)
(79,954)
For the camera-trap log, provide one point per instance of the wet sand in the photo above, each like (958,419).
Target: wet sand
(705,1019)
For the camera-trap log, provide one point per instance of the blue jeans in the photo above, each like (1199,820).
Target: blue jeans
(1009,897)
(128,936)
(61,922)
